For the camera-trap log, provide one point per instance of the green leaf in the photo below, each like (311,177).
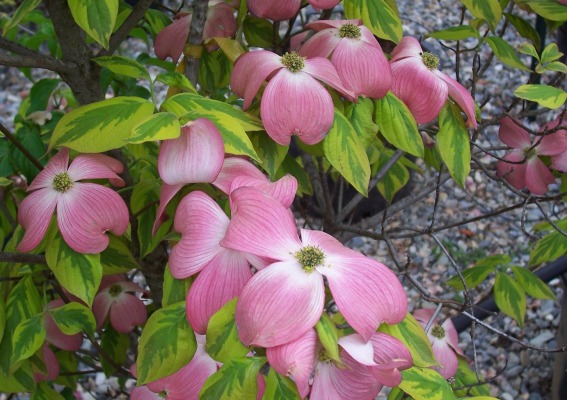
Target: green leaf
(28,337)
(529,49)
(425,384)
(414,338)
(214,71)
(46,392)
(549,248)
(123,66)
(453,142)
(544,95)
(488,10)
(505,53)
(280,387)
(2,318)
(510,297)
(174,290)
(157,20)
(22,380)
(396,177)
(468,381)
(176,79)
(494,260)
(345,152)
(377,15)
(551,53)
(397,124)
(117,258)
(361,116)
(80,274)
(116,345)
(557,66)
(160,126)
(473,277)
(259,32)
(328,336)
(235,139)
(549,9)
(235,380)
(73,318)
(95,17)
(455,33)
(166,345)
(532,284)
(525,29)
(30,138)
(40,93)
(291,166)
(23,10)
(271,153)
(101,126)
(223,343)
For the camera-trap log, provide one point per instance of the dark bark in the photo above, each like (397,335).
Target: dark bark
(196,39)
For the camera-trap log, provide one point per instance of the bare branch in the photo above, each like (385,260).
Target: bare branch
(195,40)
(22,258)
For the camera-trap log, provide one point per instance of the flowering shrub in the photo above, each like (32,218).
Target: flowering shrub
(263,111)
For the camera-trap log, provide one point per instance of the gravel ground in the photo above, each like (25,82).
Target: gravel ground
(513,372)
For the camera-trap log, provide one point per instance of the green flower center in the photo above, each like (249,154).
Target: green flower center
(115,290)
(350,31)
(323,356)
(438,331)
(62,182)
(309,257)
(293,61)
(530,153)
(431,61)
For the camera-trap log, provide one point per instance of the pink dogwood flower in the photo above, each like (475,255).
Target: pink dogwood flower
(275,10)
(180,160)
(444,341)
(284,300)
(185,384)
(324,4)
(294,102)
(522,167)
(355,53)
(117,297)
(52,367)
(423,88)
(85,211)
(365,366)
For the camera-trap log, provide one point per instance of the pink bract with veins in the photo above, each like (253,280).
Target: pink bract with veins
(294,102)
(444,341)
(285,299)
(522,167)
(355,53)
(423,88)
(85,211)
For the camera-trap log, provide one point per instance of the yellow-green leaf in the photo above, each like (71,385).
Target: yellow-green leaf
(160,126)
(73,318)
(552,246)
(396,177)
(271,153)
(237,379)
(101,126)
(453,142)
(22,380)
(345,152)
(223,343)
(24,9)
(230,47)
(123,66)
(328,336)
(28,337)
(377,15)
(510,297)
(280,388)
(455,33)
(505,53)
(176,79)
(468,382)
(425,384)
(166,345)
(95,17)
(473,277)
(488,10)
(117,258)
(544,95)
(532,284)
(46,392)
(549,9)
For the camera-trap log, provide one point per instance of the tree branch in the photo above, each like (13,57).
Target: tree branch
(195,40)
(51,64)
(22,258)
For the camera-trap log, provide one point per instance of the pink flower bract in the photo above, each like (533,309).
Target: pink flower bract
(85,211)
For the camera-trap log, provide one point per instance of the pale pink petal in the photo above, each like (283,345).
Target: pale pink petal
(109,280)
(101,306)
(331,23)
(446,357)
(552,145)
(219,282)
(391,357)
(250,71)
(323,240)
(325,71)
(170,41)
(513,135)
(203,225)
(421,90)
(143,393)
(180,160)
(51,364)
(279,304)
(233,167)
(96,166)
(559,162)
(57,165)
(452,336)
(408,47)
(86,212)
(367,36)
(461,96)
(324,383)
(366,291)
(538,176)
(297,40)
(324,4)
(261,383)
(261,225)
(284,189)
(423,315)
(166,193)
(296,360)
(274,10)
(514,173)
(320,44)
(126,312)
(220,21)
(362,68)
(34,215)
(358,348)
(355,381)
(309,110)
